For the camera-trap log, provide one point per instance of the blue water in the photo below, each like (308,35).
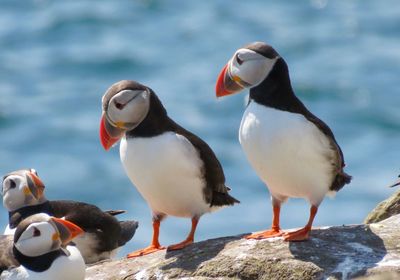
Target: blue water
(58,57)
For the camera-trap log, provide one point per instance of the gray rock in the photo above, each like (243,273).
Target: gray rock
(385,209)
(342,252)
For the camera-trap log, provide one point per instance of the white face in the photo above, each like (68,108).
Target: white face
(16,193)
(249,68)
(128,108)
(38,239)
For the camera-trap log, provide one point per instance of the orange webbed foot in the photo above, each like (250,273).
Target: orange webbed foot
(179,246)
(265,234)
(298,235)
(146,251)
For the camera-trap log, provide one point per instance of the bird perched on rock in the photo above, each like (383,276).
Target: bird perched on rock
(175,171)
(293,152)
(23,196)
(38,251)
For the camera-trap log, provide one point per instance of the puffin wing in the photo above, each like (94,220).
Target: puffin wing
(115,212)
(91,219)
(216,192)
(341,178)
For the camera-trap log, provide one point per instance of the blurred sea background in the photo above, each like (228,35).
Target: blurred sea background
(57,58)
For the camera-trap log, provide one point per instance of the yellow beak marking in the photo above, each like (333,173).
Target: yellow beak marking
(27,191)
(237,79)
(55,236)
(120,125)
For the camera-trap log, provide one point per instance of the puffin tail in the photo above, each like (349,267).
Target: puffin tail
(115,212)
(128,229)
(223,199)
(341,179)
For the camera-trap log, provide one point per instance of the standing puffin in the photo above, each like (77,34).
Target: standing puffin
(175,171)
(39,251)
(293,152)
(23,196)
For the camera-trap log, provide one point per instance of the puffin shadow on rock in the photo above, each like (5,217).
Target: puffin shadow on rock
(191,257)
(341,252)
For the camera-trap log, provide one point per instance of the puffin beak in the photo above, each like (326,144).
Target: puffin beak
(66,230)
(35,185)
(395,184)
(109,134)
(226,84)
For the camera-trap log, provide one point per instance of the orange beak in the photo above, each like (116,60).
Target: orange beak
(226,85)
(38,183)
(68,230)
(109,135)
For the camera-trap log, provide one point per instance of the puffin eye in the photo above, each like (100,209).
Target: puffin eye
(12,184)
(239,61)
(118,105)
(36,232)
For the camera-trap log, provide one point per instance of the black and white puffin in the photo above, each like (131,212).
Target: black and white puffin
(23,195)
(175,171)
(293,152)
(39,251)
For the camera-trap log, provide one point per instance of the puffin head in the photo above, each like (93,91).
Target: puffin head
(40,234)
(22,188)
(125,106)
(248,67)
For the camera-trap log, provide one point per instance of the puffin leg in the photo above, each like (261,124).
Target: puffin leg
(154,246)
(275,229)
(189,240)
(302,234)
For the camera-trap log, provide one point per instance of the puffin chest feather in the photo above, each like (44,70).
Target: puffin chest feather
(167,171)
(289,153)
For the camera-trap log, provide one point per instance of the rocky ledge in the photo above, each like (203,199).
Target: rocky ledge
(366,251)
(332,252)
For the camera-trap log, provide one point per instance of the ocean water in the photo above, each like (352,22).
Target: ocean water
(57,58)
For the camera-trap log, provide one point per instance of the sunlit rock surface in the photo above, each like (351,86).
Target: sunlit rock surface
(385,209)
(340,252)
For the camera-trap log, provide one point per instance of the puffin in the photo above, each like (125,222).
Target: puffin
(292,151)
(23,196)
(174,170)
(39,250)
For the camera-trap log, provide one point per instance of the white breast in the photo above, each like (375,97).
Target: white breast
(9,231)
(70,267)
(166,170)
(289,153)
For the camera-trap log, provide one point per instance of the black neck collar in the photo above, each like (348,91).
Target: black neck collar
(155,123)
(38,263)
(16,216)
(276,90)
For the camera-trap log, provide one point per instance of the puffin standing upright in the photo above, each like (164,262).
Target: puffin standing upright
(23,196)
(293,152)
(174,170)
(40,249)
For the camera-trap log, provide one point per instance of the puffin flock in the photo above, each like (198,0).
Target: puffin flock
(292,151)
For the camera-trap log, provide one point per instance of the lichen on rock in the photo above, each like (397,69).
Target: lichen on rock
(385,209)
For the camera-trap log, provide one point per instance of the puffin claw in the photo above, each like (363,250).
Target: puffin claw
(298,235)
(265,234)
(179,246)
(146,251)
